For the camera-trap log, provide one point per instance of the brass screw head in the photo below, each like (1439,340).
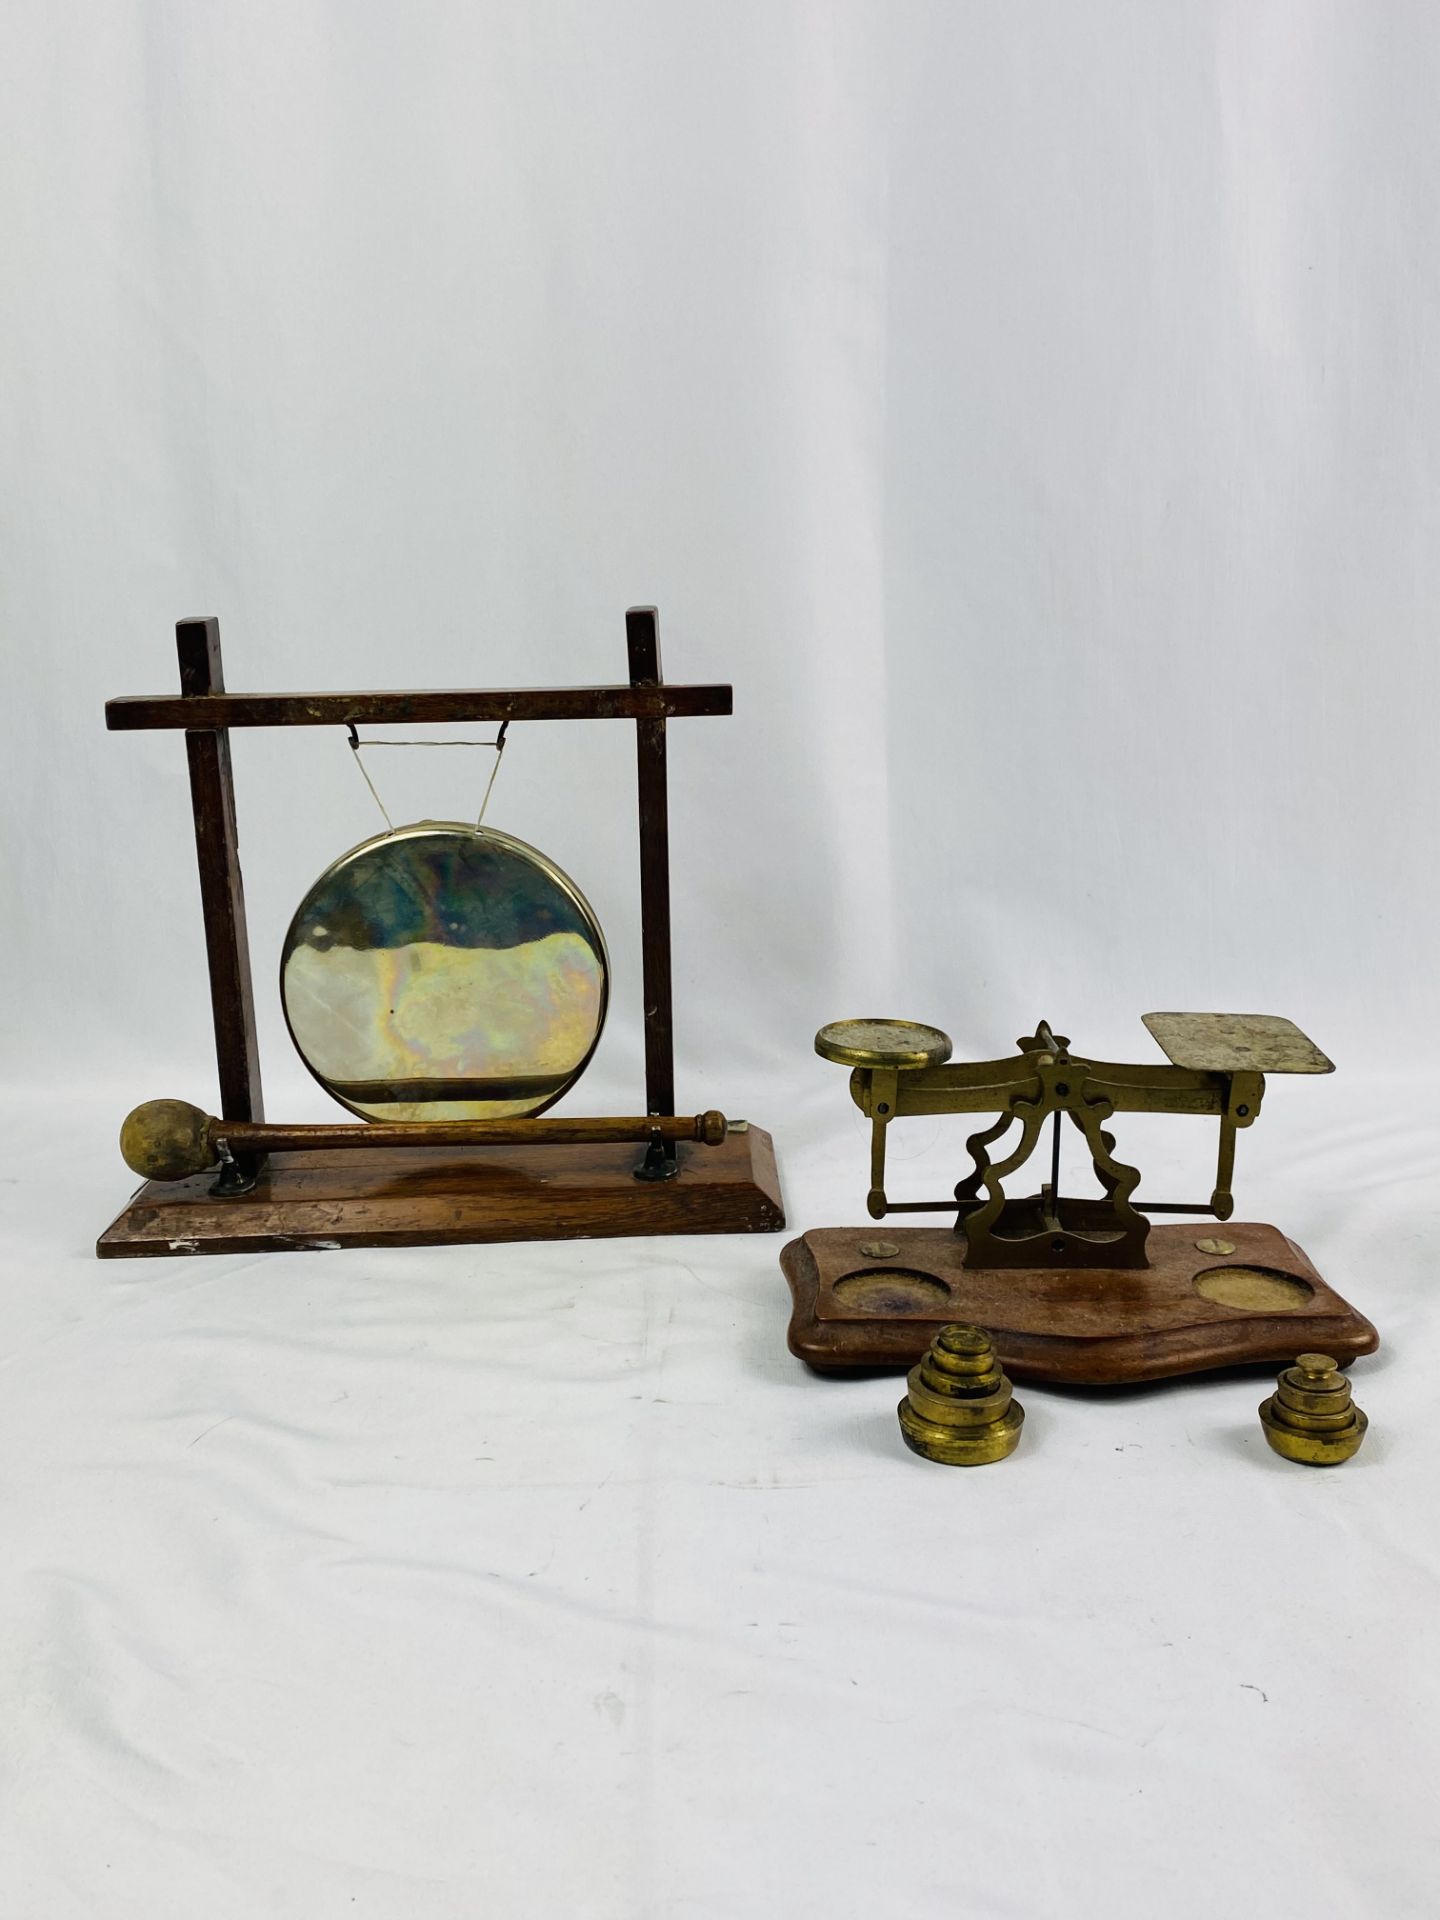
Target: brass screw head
(1310,1417)
(959,1409)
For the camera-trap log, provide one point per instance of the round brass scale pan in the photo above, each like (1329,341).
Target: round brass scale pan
(444,972)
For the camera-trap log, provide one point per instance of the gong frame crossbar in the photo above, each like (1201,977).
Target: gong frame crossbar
(206,713)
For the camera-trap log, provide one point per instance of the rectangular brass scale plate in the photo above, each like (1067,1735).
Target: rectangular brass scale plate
(1236,1043)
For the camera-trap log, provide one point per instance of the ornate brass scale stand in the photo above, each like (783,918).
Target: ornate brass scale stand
(423,1182)
(1086,1291)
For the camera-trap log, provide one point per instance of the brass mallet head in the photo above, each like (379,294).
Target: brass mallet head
(166,1140)
(1310,1417)
(959,1408)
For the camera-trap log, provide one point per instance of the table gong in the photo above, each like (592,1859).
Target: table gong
(445,982)
(1079,1290)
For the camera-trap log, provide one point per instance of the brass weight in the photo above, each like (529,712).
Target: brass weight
(1310,1417)
(959,1408)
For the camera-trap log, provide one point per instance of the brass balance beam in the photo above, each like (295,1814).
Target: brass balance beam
(1217,1067)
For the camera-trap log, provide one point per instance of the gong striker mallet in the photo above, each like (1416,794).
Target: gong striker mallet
(169,1139)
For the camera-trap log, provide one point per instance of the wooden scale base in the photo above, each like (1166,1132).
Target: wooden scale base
(1189,1310)
(438,1196)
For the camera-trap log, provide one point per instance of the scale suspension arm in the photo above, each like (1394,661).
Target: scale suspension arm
(1008,1088)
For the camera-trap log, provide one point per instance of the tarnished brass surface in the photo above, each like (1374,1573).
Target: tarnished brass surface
(1311,1417)
(1236,1043)
(882,1290)
(901,1044)
(899,1069)
(1254,1289)
(959,1409)
(444,972)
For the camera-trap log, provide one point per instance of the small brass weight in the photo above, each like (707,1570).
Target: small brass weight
(1310,1417)
(959,1409)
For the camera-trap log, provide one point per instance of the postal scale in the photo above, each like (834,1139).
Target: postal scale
(1080,1290)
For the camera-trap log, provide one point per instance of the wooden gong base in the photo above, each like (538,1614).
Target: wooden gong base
(1191,1309)
(448,1196)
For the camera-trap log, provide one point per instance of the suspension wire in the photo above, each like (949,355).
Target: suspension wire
(365,776)
(497,746)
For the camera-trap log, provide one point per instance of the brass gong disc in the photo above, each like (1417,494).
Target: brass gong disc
(444,972)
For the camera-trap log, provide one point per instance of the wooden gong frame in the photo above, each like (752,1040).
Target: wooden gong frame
(428,1196)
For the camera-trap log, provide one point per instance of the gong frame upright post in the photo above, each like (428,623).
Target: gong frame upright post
(222,890)
(642,638)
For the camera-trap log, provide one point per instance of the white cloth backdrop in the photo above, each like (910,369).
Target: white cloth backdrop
(1034,411)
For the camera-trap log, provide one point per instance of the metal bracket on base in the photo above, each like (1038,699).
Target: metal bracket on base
(660,1162)
(236,1176)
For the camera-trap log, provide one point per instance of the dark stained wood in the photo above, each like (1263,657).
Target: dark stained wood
(140,713)
(1092,1328)
(222,892)
(642,638)
(433,1196)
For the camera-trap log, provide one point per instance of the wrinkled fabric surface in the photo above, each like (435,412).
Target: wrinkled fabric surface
(1032,411)
(513,1579)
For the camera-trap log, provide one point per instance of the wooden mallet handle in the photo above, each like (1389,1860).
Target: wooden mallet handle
(169,1139)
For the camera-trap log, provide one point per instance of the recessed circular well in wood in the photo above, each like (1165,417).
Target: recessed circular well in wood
(892,1290)
(1253,1289)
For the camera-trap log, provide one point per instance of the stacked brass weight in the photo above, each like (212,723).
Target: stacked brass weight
(1310,1417)
(959,1408)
